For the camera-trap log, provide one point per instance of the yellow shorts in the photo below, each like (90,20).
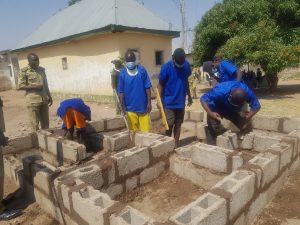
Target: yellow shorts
(139,121)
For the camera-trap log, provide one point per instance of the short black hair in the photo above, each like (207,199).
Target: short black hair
(178,52)
(32,55)
(130,56)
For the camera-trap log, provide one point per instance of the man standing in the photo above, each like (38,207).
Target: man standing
(5,214)
(115,81)
(135,94)
(173,87)
(33,80)
(226,100)
(225,70)
(193,81)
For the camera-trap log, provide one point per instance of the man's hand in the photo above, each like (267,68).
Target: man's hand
(190,101)
(215,116)
(149,107)
(50,101)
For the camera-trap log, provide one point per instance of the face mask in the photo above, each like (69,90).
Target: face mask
(178,65)
(131,65)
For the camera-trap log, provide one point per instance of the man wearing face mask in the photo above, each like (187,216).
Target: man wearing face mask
(226,100)
(33,80)
(135,94)
(173,88)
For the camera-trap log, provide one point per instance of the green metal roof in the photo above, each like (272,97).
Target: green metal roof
(89,17)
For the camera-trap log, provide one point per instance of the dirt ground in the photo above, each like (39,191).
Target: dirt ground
(283,210)
(163,197)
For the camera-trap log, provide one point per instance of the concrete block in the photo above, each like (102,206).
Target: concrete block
(187,115)
(54,160)
(201,131)
(237,161)
(269,164)
(293,143)
(91,175)
(19,144)
(151,173)
(248,141)
(241,185)
(296,134)
(211,157)
(54,145)
(240,220)
(263,142)
(290,124)
(208,209)
(42,138)
(155,115)
(146,139)
(131,183)
(13,170)
(228,125)
(185,151)
(285,152)
(95,126)
(91,205)
(119,141)
(129,216)
(42,179)
(190,126)
(196,116)
(73,151)
(183,167)
(114,190)
(131,160)
(268,123)
(116,123)
(162,147)
(112,174)
(227,140)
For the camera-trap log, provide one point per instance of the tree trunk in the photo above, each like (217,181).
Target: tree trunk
(272,81)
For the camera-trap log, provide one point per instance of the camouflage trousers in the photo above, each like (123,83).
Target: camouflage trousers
(38,115)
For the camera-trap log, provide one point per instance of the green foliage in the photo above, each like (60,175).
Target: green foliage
(263,32)
(72,2)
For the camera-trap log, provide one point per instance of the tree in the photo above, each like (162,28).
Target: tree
(262,32)
(72,2)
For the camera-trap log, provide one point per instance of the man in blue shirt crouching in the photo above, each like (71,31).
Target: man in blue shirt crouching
(226,100)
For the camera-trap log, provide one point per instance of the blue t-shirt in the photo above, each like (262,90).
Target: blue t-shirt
(175,83)
(218,98)
(134,89)
(227,71)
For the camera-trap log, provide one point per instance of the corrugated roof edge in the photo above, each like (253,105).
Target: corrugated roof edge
(110,28)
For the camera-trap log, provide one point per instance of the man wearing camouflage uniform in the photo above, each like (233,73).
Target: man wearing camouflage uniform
(33,80)
(115,82)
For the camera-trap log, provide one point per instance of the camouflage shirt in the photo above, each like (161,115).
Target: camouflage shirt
(29,76)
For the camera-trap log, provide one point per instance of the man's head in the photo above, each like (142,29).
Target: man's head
(117,63)
(130,60)
(33,60)
(178,57)
(237,97)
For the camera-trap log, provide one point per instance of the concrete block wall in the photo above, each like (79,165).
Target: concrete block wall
(247,190)
(194,123)
(58,151)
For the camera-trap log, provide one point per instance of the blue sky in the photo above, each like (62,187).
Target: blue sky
(20,17)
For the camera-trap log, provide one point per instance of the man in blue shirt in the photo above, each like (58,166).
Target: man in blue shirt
(173,87)
(135,94)
(225,70)
(226,100)
(74,113)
